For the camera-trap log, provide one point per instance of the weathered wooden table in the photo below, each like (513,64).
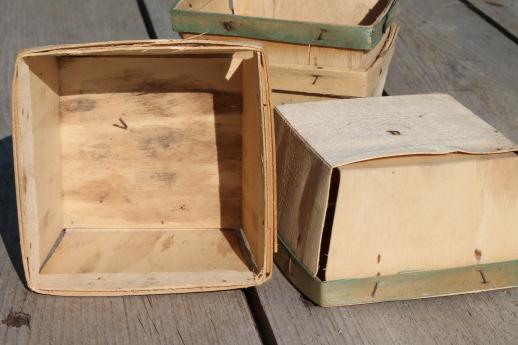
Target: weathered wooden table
(468,48)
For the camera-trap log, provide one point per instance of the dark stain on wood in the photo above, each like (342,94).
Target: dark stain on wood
(229,26)
(167,243)
(102,196)
(80,105)
(17,319)
(483,277)
(154,86)
(321,36)
(478,254)
(227,102)
(121,125)
(373,293)
(154,146)
(164,176)
(379,258)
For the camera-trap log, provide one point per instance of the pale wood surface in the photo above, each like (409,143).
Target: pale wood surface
(336,12)
(180,180)
(482,79)
(174,250)
(425,124)
(443,47)
(504,12)
(215,318)
(453,210)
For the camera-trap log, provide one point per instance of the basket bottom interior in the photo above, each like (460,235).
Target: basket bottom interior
(108,262)
(87,251)
(153,167)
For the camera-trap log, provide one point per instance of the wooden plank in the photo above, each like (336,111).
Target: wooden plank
(446,47)
(443,47)
(486,318)
(160,18)
(185,319)
(503,12)
(221,318)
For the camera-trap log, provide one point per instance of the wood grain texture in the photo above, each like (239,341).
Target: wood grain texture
(159,15)
(303,180)
(432,213)
(486,318)
(30,23)
(398,287)
(284,53)
(163,171)
(504,12)
(446,47)
(352,26)
(216,318)
(186,319)
(443,47)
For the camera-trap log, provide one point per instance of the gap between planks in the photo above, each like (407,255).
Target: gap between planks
(146,18)
(253,301)
(490,20)
(264,328)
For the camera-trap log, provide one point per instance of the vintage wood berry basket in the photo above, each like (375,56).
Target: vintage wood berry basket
(144,167)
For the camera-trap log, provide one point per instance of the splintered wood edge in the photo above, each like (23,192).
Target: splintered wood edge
(137,292)
(404,286)
(271,188)
(144,46)
(364,37)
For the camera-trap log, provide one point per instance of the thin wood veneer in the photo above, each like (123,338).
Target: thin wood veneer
(393,191)
(144,167)
(325,49)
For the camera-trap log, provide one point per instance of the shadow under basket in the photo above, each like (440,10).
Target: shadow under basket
(144,167)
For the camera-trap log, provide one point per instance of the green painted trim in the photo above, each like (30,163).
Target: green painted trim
(395,287)
(290,31)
